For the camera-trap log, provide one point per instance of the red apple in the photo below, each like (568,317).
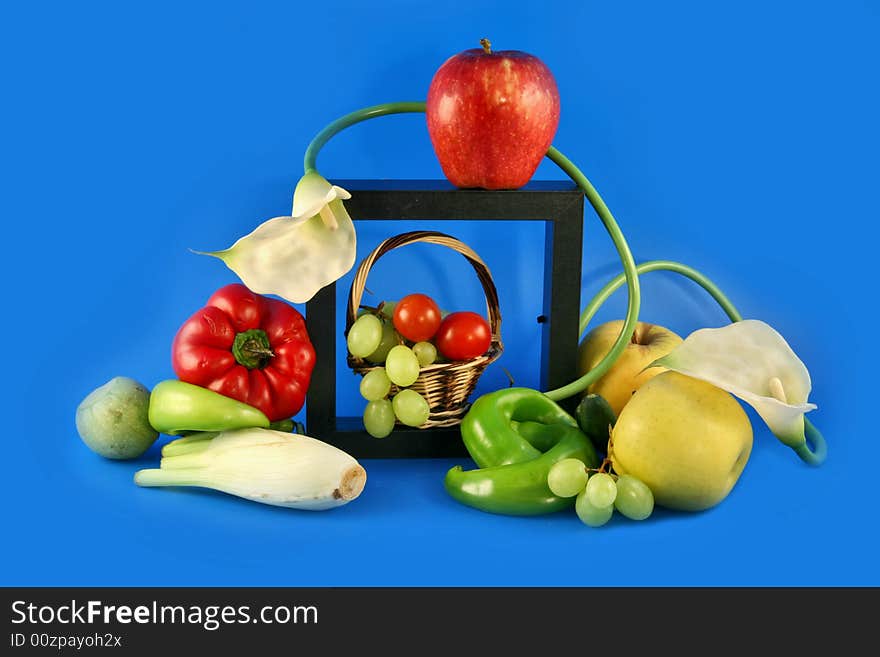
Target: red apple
(492,116)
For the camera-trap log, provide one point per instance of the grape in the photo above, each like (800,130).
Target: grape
(601,489)
(375,385)
(389,339)
(634,499)
(402,366)
(411,408)
(594,516)
(425,352)
(364,336)
(567,477)
(379,418)
(387,308)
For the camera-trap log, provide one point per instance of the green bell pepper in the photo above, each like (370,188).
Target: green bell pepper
(515,436)
(177,407)
(487,431)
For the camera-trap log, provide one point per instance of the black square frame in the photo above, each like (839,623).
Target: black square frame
(559,204)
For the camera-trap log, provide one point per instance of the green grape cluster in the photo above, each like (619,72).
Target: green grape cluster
(373,337)
(600,493)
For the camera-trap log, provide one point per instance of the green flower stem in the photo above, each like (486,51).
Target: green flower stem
(630,274)
(343,122)
(815,456)
(658,265)
(819,451)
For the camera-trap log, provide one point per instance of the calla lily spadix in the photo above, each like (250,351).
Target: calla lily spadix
(295,256)
(750,360)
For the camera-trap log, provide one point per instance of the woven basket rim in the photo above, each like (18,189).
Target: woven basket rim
(484,275)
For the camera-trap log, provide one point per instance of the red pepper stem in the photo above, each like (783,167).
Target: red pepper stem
(252,349)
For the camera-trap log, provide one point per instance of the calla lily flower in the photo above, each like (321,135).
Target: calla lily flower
(750,360)
(295,256)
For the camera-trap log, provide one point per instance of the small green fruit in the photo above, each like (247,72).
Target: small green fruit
(112,420)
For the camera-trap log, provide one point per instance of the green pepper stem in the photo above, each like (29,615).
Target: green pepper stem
(630,274)
(252,349)
(286,425)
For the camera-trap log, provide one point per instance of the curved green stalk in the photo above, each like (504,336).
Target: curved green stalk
(817,454)
(658,265)
(343,122)
(630,274)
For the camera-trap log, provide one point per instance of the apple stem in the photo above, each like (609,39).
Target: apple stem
(487,45)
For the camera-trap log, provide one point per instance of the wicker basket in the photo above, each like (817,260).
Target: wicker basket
(446,386)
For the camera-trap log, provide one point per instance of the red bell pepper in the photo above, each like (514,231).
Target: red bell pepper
(248,347)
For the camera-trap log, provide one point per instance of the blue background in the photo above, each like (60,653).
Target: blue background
(740,138)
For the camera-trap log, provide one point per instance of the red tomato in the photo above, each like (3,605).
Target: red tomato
(463,335)
(417,317)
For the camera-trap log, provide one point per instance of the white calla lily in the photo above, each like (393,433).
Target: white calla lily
(753,361)
(314,195)
(295,256)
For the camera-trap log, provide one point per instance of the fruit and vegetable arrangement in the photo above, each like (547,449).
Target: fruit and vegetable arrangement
(658,417)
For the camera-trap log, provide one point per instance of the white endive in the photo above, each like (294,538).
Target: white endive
(751,360)
(262,465)
(295,256)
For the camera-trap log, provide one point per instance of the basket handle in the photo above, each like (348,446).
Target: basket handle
(431,237)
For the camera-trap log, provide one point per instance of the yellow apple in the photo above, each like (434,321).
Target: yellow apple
(649,342)
(686,439)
